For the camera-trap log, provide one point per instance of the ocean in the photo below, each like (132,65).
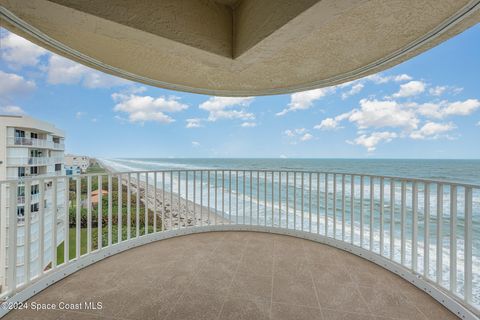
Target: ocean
(463,171)
(256,206)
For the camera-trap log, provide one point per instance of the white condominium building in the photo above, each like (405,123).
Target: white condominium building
(31,153)
(82,162)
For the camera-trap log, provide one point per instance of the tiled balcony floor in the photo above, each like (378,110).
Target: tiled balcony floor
(237,275)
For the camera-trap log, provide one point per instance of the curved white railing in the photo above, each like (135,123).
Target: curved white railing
(33,161)
(427,231)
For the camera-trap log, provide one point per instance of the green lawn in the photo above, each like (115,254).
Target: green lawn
(83,239)
(96,168)
(72,240)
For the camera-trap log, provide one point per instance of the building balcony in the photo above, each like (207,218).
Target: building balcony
(33,176)
(59,146)
(254,244)
(35,143)
(33,161)
(223,275)
(34,198)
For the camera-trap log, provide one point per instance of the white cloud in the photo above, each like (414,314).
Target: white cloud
(478,123)
(306,137)
(461,108)
(355,89)
(380,79)
(379,114)
(193,123)
(79,115)
(404,117)
(94,120)
(12,110)
(227,108)
(370,141)
(298,135)
(327,124)
(249,124)
(428,109)
(444,108)
(18,52)
(63,71)
(410,89)
(437,90)
(432,130)
(304,100)
(282,156)
(402,77)
(195,143)
(332,123)
(146,108)
(12,85)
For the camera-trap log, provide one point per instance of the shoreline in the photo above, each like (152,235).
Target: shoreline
(175,215)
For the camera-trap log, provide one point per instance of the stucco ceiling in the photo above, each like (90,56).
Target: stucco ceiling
(239,47)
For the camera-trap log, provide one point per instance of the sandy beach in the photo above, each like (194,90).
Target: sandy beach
(174,214)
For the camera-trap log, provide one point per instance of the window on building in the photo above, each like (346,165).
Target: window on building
(19,136)
(34,170)
(21,171)
(19,133)
(34,189)
(20,211)
(34,207)
(21,191)
(36,153)
(33,135)
(58,167)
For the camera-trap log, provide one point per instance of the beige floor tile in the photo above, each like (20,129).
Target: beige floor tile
(388,303)
(196,307)
(285,265)
(281,311)
(244,309)
(340,297)
(192,276)
(324,274)
(256,264)
(29,314)
(329,314)
(251,286)
(294,290)
(211,284)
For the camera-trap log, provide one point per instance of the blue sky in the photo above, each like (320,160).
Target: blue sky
(427,107)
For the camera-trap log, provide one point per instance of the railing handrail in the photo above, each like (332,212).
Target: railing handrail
(380,217)
(369,175)
(35,142)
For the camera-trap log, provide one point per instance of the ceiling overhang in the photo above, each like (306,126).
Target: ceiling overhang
(239,47)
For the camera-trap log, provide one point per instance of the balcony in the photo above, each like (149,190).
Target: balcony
(222,275)
(219,244)
(33,161)
(33,176)
(36,143)
(34,198)
(59,146)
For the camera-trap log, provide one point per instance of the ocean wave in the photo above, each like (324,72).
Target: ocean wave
(160,165)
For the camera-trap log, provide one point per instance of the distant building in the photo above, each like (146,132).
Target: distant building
(82,162)
(73,170)
(30,149)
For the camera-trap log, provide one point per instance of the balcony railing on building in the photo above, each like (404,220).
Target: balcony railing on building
(427,231)
(34,161)
(34,142)
(34,175)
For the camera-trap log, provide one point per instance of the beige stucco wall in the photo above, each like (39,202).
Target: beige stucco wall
(242,48)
